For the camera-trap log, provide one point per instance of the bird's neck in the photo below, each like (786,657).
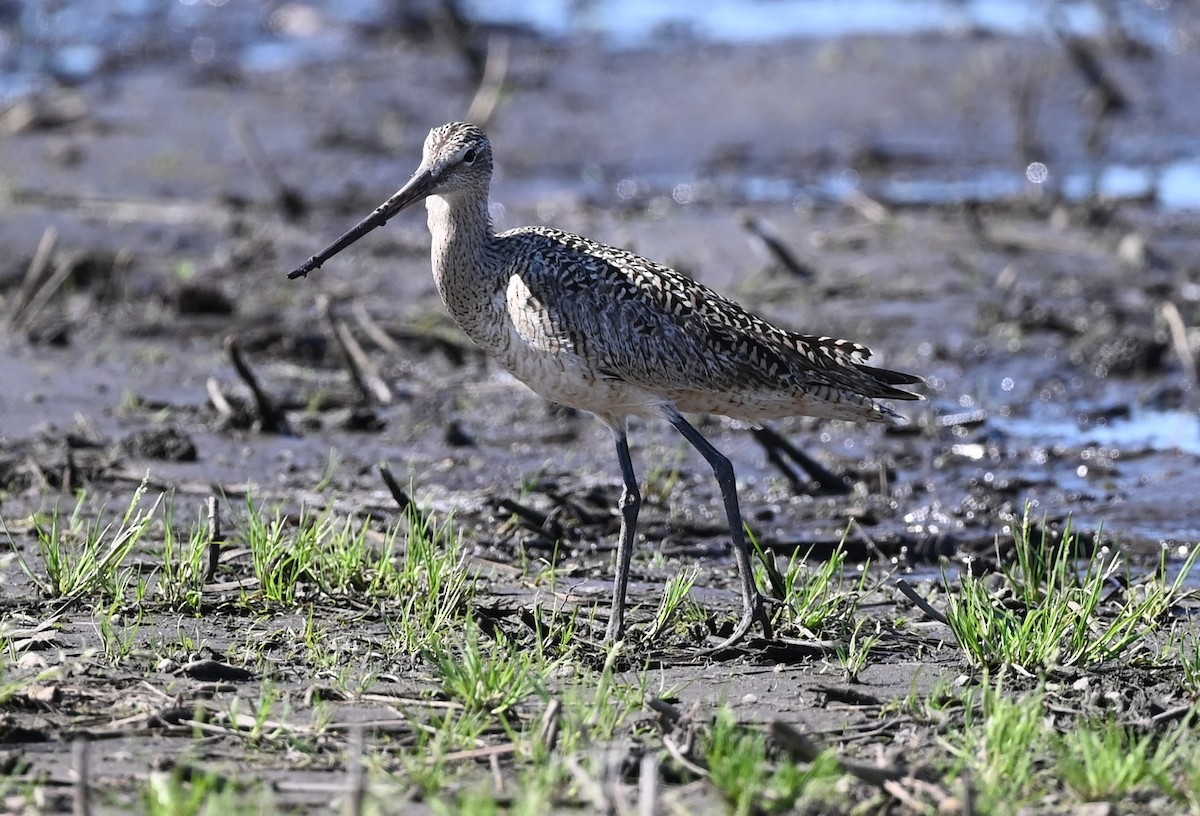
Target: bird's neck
(462,232)
(464,259)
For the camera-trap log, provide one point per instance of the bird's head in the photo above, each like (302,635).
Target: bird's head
(457,158)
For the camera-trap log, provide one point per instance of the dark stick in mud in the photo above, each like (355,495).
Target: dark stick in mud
(271,419)
(768,237)
(401,498)
(778,446)
(290,201)
(802,747)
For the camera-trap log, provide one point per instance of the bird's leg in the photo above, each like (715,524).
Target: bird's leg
(753,607)
(630,504)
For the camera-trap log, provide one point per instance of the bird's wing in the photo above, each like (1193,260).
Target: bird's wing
(649,325)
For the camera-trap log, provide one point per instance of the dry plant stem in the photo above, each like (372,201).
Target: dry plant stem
(491,86)
(476,753)
(903,796)
(270,417)
(81,806)
(589,788)
(677,754)
(648,784)
(614,760)
(212,513)
(1158,719)
(44,292)
(678,721)
(497,775)
(372,329)
(32,466)
(33,276)
(363,373)
(356,786)
(123,211)
(218,400)
(867,207)
(547,734)
(1179,340)
(907,590)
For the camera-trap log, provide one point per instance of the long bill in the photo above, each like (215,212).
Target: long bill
(417,188)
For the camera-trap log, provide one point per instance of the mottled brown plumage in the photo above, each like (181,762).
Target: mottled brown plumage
(607,331)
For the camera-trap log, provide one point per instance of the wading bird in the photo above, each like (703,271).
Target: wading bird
(607,331)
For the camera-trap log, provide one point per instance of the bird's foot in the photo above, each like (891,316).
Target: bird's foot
(753,612)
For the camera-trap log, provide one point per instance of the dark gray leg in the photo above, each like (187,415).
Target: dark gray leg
(631,503)
(752,603)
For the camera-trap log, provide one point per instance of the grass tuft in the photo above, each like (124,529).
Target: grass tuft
(740,768)
(813,599)
(1105,761)
(1052,614)
(999,745)
(84,557)
(493,677)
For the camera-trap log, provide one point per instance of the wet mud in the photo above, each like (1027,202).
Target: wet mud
(143,288)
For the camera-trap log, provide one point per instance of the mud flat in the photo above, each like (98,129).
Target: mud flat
(971,205)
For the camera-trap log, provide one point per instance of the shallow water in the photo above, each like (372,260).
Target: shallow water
(1171,186)
(41,45)
(1142,431)
(635,22)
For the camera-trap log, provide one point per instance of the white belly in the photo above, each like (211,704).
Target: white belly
(564,378)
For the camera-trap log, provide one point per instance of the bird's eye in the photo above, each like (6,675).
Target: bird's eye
(469,156)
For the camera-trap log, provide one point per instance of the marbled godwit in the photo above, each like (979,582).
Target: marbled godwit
(607,331)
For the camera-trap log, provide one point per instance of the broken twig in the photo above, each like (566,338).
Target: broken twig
(288,199)
(363,372)
(777,447)
(766,234)
(271,419)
